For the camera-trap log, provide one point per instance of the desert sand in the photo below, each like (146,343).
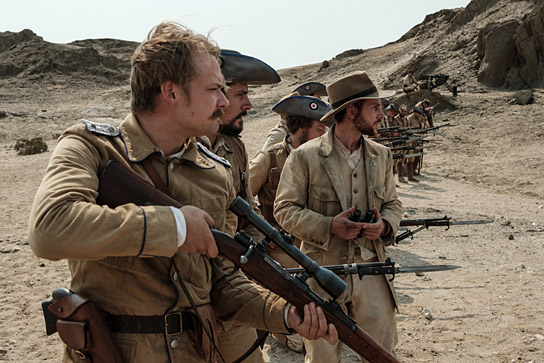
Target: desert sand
(488,166)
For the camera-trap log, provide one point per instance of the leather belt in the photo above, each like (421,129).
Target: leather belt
(169,324)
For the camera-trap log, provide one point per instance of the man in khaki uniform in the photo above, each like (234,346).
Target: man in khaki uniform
(416,120)
(145,266)
(239,71)
(428,109)
(303,114)
(322,183)
(410,83)
(400,121)
(278,133)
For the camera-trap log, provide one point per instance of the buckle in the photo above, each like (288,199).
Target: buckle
(173,323)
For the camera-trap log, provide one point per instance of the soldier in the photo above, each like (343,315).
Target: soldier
(148,267)
(428,109)
(390,112)
(400,118)
(410,82)
(277,134)
(416,120)
(322,183)
(303,114)
(239,71)
(400,121)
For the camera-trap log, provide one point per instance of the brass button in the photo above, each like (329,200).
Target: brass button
(174,343)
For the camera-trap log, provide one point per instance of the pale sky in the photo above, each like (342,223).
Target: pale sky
(283,33)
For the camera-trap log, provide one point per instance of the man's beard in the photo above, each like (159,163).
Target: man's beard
(304,136)
(360,125)
(230,129)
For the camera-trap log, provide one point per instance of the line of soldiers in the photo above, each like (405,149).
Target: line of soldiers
(403,131)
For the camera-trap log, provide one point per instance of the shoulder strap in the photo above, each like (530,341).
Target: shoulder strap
(146,163)
(274,171)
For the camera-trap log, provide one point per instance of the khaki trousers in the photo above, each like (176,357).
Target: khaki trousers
(370,303)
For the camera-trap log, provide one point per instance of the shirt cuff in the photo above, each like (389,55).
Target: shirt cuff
(180,225)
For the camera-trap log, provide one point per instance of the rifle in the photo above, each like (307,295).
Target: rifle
(404,156)
(119,186)
(378,268)
(432,222)
(406,138)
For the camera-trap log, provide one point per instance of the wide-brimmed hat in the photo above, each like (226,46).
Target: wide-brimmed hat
(305,106)
(351,89)
(311,88)
(238,67)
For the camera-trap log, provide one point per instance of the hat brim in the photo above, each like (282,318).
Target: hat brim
(381,94)
(237,68)
(305,106)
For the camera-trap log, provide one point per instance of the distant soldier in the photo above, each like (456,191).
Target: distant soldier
(416,120)
(410,82)
(390,112)
(400,118)
(277,134)
(428,109)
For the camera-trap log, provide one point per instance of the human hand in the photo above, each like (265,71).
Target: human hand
(313,325)
(199,238)
(342,227)
(374,230)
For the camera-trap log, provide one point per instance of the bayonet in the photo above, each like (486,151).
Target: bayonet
(378,268)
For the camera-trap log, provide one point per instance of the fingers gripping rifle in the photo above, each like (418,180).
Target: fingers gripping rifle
(125,187)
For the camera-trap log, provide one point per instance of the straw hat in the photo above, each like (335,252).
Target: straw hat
(237,67)
(351,89)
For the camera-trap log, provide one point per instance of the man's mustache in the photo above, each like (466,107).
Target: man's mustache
(241,114)
(217,113)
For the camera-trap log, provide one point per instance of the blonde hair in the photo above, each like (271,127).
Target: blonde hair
(168,54)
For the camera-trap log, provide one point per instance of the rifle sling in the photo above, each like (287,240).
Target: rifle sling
(146,163)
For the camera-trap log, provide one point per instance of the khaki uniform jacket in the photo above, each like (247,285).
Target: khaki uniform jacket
(276,135)
(126,259)
(259,171)
(233,149)
(311,193)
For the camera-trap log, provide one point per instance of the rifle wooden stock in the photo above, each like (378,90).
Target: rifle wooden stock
(119,186)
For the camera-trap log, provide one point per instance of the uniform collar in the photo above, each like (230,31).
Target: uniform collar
(221,142)
(138,145)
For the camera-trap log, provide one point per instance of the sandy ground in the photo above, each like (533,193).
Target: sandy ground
(487,167)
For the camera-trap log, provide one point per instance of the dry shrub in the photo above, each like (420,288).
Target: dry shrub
(30,147)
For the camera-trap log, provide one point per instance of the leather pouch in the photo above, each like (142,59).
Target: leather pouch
(205,346)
